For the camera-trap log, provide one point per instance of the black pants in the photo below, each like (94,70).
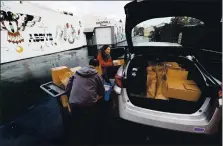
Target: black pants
(109,72)
(86,124)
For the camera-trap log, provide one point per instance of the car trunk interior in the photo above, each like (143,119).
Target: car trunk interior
(136,85)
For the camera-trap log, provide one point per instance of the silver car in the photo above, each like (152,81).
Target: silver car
(203,116)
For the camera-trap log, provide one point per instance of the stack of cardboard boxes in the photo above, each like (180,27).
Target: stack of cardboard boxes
(57,72)
(60,77)
(172,83)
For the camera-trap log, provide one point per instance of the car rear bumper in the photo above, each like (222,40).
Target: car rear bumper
(205,122)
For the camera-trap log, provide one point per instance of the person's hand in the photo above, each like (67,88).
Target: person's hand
(98,97)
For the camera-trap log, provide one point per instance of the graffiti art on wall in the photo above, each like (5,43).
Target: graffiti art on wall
(46,40)
(80,24)
(19,49)
(15,22)
(67,33)
(41,37)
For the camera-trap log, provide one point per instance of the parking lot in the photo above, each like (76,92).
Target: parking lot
(40,123)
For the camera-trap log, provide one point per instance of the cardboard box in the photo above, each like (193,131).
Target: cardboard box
(99,70)
(119,62)
(58,71)
(65,77)
(184,90)
(178,74)
(172,65)
(74,69)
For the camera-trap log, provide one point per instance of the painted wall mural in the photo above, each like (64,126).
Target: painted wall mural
(19,49)
(41,37)
(45,39)
(15,22)
(29,31)
(68,33)
(80,24)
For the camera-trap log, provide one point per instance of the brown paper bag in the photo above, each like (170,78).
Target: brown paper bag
(160,72)
(151,82)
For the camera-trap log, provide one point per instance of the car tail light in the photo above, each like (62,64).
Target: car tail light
(220,97)
(220,93)
(118,80)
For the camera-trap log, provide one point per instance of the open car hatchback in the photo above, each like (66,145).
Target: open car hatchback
(172,73)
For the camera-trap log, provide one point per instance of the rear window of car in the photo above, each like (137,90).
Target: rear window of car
(168,31)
